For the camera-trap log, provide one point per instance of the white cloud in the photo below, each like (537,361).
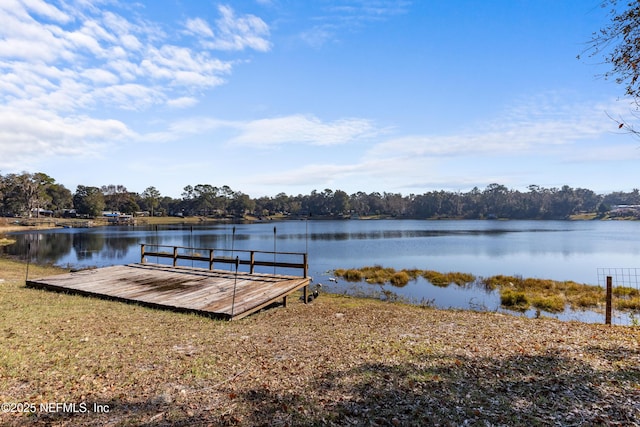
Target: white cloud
(302,129)
(524,128)
(296,129)
(238,33)
(100,76)
(40,8)
(28,139)
(182,102)
(198,27)
(60,63)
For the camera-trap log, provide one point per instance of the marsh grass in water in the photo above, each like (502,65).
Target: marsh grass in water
(516,293)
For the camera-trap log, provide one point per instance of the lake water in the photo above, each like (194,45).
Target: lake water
(560,250)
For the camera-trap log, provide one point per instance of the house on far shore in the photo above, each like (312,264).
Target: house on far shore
(117,217)
(40,213)
(625,210)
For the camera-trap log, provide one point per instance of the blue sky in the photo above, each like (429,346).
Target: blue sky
(270,96)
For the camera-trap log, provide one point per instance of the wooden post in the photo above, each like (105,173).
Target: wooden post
(306,266)
(251,262)
(607,319)
(305,293)
(210,259)
(142,260)
(175,256)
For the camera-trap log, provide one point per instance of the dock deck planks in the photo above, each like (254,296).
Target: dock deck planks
(209,292)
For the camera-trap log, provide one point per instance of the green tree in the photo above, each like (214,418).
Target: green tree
(151,196)
(88,201)
(60,197)
(241,204)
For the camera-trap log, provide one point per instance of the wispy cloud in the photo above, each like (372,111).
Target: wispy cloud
(524,128)
(302,129)
(543,127)
(349,15)
(232,32)
(297,129)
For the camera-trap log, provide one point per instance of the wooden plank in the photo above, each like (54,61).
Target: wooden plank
(210,292)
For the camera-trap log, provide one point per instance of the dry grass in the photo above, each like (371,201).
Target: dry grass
(338,361)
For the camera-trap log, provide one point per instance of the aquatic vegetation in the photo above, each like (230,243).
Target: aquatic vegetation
(625,291)
(499,281)
(516,293)
(462,279)
(514,300)
(550,303)
(351,275)
(628,304)
(445,279)
(436,278)
(399,278)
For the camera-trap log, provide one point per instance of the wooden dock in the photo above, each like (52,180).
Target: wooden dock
(217,293)
(209,292)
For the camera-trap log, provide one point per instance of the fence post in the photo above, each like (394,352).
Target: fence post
(251,262)
(306,266)
(142,260)
(607,319)
(175,256)
(210,259)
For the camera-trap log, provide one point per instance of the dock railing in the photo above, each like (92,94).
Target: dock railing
(212,257)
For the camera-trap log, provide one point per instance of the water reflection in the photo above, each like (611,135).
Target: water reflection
(558,250)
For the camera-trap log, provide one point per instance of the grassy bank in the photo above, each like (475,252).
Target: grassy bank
(337,361)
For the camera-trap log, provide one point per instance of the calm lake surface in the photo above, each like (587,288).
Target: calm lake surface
(560,250)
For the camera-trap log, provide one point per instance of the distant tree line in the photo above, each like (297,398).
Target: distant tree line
(35,194)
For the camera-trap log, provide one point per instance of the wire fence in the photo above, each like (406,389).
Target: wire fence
(626,290)
(625,277)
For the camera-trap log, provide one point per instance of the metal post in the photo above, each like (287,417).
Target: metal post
(26,277)
(233,241)
(157,247)
(306,266)
(607,319)
(235,282)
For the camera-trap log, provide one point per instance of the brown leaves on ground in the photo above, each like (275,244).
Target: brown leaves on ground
(338,361)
